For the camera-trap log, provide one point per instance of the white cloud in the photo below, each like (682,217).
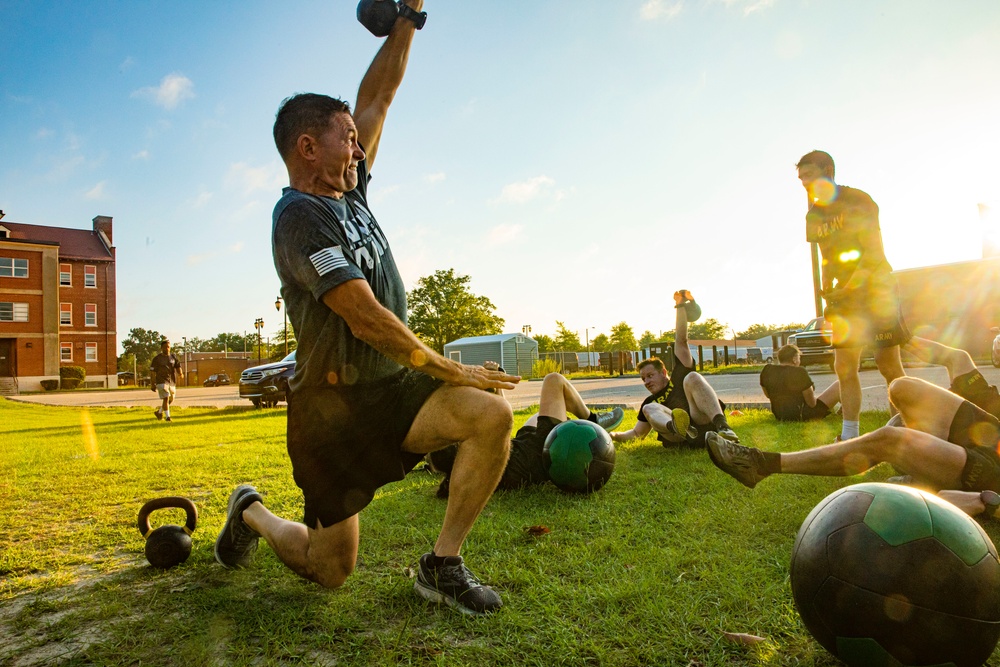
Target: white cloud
(141,155)
(236,247)
(96,192)
(653,10)
(749,6)
(434,178)
(202,199)
(379,195)
(505,233)
(519,193)
(194,260)
(269,178)
(43,133)
(173,89)
(127,64)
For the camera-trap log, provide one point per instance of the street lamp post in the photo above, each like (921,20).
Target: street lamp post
(186,381)
(526,329)
(258,324)
(277,306)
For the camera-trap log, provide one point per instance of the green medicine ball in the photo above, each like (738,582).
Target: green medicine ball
(579,456)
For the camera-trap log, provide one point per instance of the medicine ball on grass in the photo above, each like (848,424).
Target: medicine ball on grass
(579,456)
(884,574)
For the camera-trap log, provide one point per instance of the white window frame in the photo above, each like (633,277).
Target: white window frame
(91,352)
(63,347)
(455,355)
(88,275)
(62,311)
(87,320)
(13,268)
(18,311)
(68,273)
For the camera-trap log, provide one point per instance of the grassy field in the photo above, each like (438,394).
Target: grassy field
(652,570)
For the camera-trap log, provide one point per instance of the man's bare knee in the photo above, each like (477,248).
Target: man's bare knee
(328,574)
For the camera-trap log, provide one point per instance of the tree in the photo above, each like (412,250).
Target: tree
(545,343)
(442,309)
(756,331)
(600,343)
(710,329)
(647,339)
(233,342)
(622,338)
(143,345)
(566,340)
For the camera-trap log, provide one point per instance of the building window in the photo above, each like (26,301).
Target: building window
(66,314)
(13,268)
(13,312)
(90,276)
(91,352)
(66,351)
(90,315)
(65,275)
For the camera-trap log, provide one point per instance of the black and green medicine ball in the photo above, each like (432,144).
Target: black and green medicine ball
(884,574)
(579,456)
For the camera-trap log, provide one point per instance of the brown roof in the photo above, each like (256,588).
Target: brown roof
(73,243)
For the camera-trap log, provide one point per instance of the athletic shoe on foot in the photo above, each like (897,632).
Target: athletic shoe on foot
(896,420)
(168,418)
(237,542)
(159,415)
(610,420)
(728,434)
(453,584)
(745,464)
(680,427)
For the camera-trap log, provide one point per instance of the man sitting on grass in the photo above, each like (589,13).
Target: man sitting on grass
(791,390)
(682,407)
(526,465)
(950,444)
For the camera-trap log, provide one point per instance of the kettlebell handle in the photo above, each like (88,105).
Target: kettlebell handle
(163,503)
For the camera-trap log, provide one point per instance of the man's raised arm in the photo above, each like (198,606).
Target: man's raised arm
(381,81)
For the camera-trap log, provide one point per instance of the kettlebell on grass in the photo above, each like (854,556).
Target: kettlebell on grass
(168,545)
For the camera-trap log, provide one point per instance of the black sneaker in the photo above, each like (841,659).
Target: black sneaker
(743,463)
(453,584)
(610,420)
(168,418)
(159,415)
(237,542)
(729,434)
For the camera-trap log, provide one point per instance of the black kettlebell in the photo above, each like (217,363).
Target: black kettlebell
(378,16)
(168,545)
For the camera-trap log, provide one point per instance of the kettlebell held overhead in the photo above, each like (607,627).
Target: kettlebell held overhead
(168,545)
(380,15)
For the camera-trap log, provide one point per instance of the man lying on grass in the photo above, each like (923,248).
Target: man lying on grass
(949,445)
(526,465)
(682,407)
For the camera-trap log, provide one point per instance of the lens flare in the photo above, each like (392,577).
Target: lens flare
(89,435)
(849,256)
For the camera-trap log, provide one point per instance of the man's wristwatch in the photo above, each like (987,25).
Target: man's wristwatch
(991,499)
(407,12)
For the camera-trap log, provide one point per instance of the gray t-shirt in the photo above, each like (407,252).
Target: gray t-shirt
(317,244)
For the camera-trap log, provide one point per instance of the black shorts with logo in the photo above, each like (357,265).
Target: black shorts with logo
(868,317)
(973,387)
(979,432)
(346,441)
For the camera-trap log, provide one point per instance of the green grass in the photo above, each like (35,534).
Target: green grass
(649,571)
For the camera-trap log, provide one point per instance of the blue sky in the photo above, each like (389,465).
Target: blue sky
(579,160)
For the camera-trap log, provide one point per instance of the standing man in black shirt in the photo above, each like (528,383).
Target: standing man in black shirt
(857,282)
(792,392)
(165,370)
(368,398)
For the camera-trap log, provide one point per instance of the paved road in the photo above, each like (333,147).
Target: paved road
(620,390)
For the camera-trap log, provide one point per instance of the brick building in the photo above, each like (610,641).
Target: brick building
(57,303)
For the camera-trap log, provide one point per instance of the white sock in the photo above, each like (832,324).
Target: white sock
(167,413)
(850,430)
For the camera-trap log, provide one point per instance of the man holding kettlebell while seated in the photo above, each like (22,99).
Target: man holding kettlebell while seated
(682,407)
(368,399)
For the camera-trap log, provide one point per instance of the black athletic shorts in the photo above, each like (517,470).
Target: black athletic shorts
(868,318)
(526,465)
(979,432)
(973,387)
(345,441)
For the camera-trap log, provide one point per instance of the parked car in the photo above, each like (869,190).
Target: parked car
(267,384)
(755,355)
(815,343)
(217,380)
(996,347)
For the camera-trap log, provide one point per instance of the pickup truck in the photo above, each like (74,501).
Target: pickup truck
(815,343)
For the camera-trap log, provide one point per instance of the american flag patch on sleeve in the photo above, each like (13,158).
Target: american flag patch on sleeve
(328,259)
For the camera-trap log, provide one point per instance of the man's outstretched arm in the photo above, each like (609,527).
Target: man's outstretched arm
(381,81)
